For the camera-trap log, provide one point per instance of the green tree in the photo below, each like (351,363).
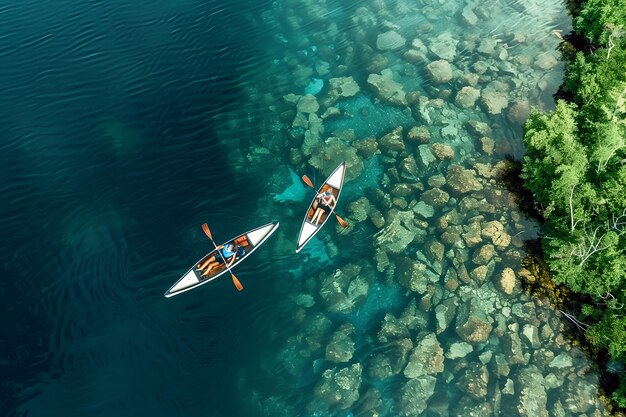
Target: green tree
(610,332)
(608,140)
(555,162)
(576,169)
(598,18)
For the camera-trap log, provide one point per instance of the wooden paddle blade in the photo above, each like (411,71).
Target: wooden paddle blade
(207,232)
(236,282)
(341,221)
(307,181)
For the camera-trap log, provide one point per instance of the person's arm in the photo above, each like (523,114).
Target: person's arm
(232,259)
(333,200)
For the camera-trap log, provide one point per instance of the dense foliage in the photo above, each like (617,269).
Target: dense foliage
(576,168)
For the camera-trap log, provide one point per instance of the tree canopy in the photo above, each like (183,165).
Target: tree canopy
(575,167)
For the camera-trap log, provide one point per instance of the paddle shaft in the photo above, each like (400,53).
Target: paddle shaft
(341,221)
(222,256)
(205,227)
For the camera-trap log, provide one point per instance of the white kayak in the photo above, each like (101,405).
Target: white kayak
(248,241)
(333,183)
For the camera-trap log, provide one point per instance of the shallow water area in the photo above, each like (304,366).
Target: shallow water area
(421,310)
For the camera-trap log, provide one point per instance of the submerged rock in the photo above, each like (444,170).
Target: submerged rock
(392,143)
(434,250)
(546,61)
(307,104)
(530,335)
(340,87)
(444,46)
(370,404)
(451,133)
(445,313)
(358,210)
(479,274)
(459,350)
(414,56)
(478,129)
(391,361)
(414,275)
(494,230)
(563,360)
(340,348)
(330,112)
(507,281)
(387,89)
(499,366)
(473,381)
(423,210)
(468,406)
(473,325)
(532,400)
(390,41)
(579,397)
(414,318)
(487,145)
(328,157)
(494,102)
(467,97)
(414,396)
(339,387)
(471,234)
(418,134)
(408,168)
(487,46)
(435,197)
(367,147)
(468,17)
(439,71)
(392,328)
(346,288)
(426,358)
(542,357)
(519,112)
(417,52)
(425,157)
(512,348)
(398,234)
(461,180)
(443,151)
(484,254)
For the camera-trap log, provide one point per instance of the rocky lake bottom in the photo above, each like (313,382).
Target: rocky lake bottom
(417,309)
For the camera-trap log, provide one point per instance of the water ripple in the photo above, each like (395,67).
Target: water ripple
(109,113)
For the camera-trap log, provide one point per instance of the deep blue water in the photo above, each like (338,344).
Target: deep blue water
(109,165)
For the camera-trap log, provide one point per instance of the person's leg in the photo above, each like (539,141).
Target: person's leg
(312,210)
(204,264)
(209,267)
(314,218)
(318,215)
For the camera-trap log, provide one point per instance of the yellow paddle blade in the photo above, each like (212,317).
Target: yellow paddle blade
(207,232)
(307,181)
(341,221)
(236,282)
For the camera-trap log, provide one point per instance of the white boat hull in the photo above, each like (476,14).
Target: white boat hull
(334,183)
(192,279)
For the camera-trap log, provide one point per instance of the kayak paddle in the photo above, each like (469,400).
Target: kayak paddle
(207,232)
(308,182)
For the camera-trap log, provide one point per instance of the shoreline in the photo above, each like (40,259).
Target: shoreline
(573,172)
(537,281)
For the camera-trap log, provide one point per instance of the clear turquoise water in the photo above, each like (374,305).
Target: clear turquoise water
(128,125)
